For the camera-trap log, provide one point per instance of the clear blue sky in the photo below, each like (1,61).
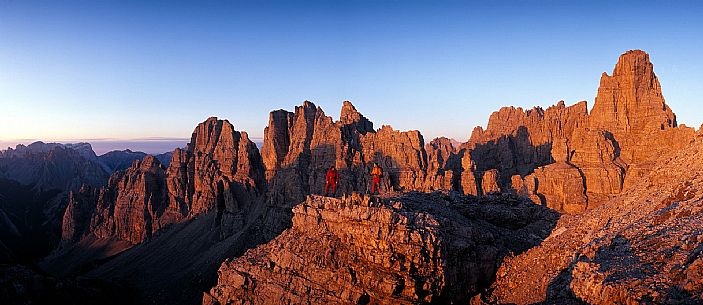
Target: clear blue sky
(145,69)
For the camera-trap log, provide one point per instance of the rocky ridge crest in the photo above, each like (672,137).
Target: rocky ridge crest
(416,248)
(563,158)
(220,169)
(571,160)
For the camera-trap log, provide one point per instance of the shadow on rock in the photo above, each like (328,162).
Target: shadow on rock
(411,248)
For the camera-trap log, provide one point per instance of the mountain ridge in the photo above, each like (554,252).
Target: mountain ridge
(241,199)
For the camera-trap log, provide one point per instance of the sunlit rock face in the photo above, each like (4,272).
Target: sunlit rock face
(220,169)
(640,247)
(416,248)
(300,146)
(408,247)
(603,152)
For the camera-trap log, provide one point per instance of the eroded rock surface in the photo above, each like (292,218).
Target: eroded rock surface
(559,186)
(221,169)
(605,151)
(300,146)
(411,249)
(641,247)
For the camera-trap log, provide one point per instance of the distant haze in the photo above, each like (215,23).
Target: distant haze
(147,146)
(101,146)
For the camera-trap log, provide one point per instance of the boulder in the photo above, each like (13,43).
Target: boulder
(560,186)
(489,182)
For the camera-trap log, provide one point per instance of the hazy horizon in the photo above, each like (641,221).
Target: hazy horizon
(102,146)
(134,70)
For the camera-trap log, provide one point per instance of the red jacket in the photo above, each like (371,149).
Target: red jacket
(332,176)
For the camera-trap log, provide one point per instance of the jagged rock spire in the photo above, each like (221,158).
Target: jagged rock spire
(350,116)
(631,100)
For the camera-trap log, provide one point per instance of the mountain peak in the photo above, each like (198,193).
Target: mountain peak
(631,100)
(350,116)
(634,61)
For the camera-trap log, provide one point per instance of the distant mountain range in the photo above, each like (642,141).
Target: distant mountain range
(122,159)
(35,181)
(48,154)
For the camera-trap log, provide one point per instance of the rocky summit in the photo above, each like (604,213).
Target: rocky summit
(557,206)
(571,160)
(221,168)
(416,248)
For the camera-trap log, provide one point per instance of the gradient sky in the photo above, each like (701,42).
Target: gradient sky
(149,69)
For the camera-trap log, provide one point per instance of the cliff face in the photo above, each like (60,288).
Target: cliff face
(630,102)
(223,162)
(126,208)
(300,146)
(222,191)
(406,250)
(630,106)
(220,169)
(580,160)
(641,247)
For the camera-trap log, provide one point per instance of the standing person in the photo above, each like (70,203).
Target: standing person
(376,173)
(331,180)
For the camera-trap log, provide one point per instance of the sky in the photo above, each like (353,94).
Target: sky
(136,71)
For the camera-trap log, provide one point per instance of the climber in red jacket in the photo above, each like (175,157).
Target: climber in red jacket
(332,178)
(376,174)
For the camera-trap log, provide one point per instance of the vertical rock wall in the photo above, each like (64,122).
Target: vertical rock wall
(220,169)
